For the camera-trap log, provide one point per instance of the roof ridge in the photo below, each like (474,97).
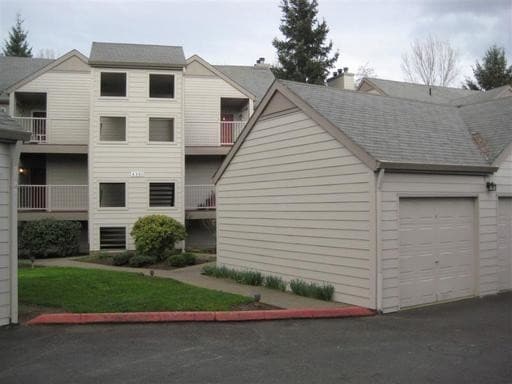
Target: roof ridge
(417,84)
(139,44)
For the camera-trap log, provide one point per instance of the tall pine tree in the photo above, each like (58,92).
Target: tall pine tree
(17,44)
(304,54)
(492,73)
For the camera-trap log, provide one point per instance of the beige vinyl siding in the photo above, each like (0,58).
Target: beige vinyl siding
(68,96)
(202,108)
(150,162)
(421,185)
(5,290)
(66,169)
(296,203)
(503,177)
(199,170)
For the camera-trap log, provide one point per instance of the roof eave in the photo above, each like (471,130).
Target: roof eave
(11,135)
(437,168)
(127,65)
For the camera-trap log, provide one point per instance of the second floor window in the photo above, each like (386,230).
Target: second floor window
(112,128)
(112,195)
(113,84)
(161,86)
(161,129)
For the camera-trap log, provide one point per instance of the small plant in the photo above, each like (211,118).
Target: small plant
(139,261)
(219,272)
(242,277)
(103,256)
(274,282)
(122,258)
(156,235)
(181,259)
(249,278)
(322,292)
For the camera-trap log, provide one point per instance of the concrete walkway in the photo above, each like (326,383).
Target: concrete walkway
(192,275)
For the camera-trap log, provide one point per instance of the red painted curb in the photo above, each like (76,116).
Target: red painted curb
(161,317)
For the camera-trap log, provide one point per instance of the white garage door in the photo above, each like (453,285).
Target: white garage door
(4,235)
(505,243)
(437,257)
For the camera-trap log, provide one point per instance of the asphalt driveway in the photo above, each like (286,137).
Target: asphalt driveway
(463,342)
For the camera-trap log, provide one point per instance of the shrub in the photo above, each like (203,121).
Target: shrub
(219,272)
(321,292)
(274,282)
(155,235)
(139,261)
(48,237)
(122,258)
(242,277)
(181,259)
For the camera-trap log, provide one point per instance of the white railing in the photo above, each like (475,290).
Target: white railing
(55,130)
(199,196)
(35,125)
(52,197)
(212,133)
(229,131)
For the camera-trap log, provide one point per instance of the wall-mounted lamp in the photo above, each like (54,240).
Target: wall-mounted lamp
(491,186)
(21,170)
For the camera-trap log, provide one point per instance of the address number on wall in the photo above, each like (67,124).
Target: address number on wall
(136,174)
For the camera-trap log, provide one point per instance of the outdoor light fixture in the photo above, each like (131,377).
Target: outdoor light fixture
(21,170)
(491,186)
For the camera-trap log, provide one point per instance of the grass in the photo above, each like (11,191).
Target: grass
(87,290)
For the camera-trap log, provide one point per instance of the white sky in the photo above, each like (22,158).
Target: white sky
(238,32)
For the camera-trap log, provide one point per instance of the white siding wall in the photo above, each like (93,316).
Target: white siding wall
(68,97)
(200,169)
(397,185)
(159,162)
(202,108)
(503,177)
(295,203)
(5,288)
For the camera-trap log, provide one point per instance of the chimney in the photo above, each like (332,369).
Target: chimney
(342,79)
(260,63)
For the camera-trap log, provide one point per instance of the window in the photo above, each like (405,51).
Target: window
(113,84)
(112,238)
(161,86)
(112,195)
(161,129)
(161,194)
(112,128)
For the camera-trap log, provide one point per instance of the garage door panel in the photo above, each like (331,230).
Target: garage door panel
(505,243)
(436,250)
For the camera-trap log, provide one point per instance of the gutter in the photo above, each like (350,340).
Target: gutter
(452,169)
(13,218)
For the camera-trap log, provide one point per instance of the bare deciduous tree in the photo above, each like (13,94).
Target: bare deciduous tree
(363,71)
(46,54)
(431,61)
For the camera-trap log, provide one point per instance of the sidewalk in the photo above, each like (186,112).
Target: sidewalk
(192,275)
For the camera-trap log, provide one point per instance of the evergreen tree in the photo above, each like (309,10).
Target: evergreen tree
(304,54)
(492,73)
(17,44)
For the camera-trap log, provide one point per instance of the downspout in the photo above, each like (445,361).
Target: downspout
(378,235)
(13,218)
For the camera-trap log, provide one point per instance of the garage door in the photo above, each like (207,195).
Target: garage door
(505,243)
(437,256)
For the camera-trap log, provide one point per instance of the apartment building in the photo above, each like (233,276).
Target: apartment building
(130,131)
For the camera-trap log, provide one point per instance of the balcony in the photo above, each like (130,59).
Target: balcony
(200,197)
(53,198)
(55,131)
(212,133)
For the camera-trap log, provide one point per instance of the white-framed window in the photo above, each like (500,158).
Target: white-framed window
(112,128)
(112,195)
(112,238)
(162,194)
(113,84)
(161,86)
(161,129)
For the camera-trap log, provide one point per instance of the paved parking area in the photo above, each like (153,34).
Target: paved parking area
(464,342)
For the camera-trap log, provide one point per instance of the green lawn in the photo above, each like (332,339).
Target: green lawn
(87,290)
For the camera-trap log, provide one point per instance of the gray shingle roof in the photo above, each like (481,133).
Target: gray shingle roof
(14,69)
(493,121)
(420,92)
(255,80)
(136,55)
(482,97)
(395,130)
(11,130)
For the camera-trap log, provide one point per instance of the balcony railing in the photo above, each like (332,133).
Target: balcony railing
(212,133)
(55,131)
(200,197)
(52,197)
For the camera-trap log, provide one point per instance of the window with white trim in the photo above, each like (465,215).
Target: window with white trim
(161,129)
(161,86)
(113,84)
(112,128)
(161,194)
(112,238)
(112,195)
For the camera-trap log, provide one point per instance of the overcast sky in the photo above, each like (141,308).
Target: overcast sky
(238,32)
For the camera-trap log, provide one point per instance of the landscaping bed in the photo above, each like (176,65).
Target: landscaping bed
(95,291)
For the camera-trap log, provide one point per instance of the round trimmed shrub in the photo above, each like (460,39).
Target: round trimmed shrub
(139,261)
(48,237)
(182,259)
(156,235)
